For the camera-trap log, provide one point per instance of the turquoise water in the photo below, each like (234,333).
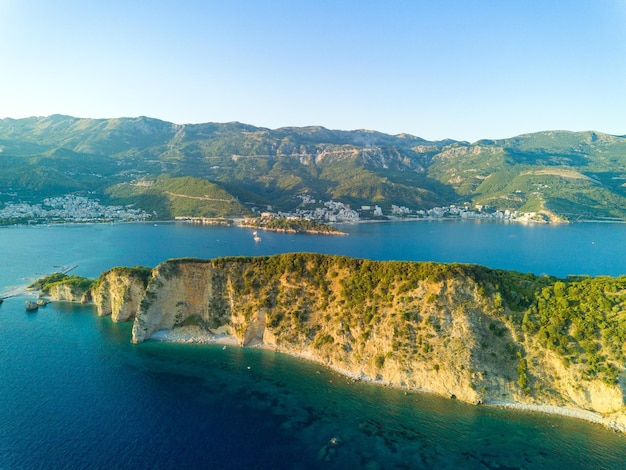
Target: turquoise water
(75,393)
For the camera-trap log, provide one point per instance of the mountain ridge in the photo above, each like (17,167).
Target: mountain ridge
(262,166)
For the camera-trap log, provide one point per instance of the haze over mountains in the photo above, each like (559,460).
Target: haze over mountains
(221,169)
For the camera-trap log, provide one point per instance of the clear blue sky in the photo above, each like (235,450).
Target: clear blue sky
(460,69)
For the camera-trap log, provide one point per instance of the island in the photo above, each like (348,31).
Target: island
(467,332)
(272,223)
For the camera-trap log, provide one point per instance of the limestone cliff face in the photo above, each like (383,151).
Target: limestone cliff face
(119,293)
(65,292)
(446,330)
(183,294)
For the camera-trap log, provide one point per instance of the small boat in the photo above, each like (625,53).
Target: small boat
(31,306)
(256,237)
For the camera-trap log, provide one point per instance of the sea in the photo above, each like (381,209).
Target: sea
(75,393)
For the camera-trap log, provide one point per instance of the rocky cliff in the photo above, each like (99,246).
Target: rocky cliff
(462,331)
(119,291)
(69,293)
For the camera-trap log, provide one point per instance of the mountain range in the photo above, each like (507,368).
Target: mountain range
(224,169)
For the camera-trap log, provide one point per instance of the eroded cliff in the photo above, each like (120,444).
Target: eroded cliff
(119,291)
(465,331)
(66,292)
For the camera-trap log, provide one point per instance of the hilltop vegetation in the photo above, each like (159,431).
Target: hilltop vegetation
(582,320)
(226,166)
(45,284)
(575,175)
(168,197)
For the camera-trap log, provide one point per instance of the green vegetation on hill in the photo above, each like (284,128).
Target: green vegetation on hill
(339,304)
(292,225)
(184,196)
(46,283)
(584,321)
(573,174)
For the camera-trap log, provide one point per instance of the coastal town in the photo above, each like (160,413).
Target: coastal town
(69,208)
(81,209)
(338,212)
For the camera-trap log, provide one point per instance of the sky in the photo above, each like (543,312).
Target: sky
(436,69)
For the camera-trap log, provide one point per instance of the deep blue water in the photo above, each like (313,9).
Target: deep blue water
(75,393)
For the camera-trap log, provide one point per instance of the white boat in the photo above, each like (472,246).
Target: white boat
(256,236)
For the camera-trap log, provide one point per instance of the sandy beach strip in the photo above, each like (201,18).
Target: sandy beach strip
(193,334)
(589,416)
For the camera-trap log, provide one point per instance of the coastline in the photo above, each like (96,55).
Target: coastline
(292,231)
(20,291)
(193,334)
(237,222)
(575,413)
(198,336)
(25,290)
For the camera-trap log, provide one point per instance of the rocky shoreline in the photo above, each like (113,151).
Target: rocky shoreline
(195,335)
(584,415)
(424,327)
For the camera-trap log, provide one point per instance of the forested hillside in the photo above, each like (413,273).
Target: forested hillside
(572,175)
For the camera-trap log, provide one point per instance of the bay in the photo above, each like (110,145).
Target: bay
(75,393)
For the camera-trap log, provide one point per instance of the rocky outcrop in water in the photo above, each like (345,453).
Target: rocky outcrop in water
(478,335)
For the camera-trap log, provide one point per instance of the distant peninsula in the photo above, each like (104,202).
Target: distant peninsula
(467,332)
